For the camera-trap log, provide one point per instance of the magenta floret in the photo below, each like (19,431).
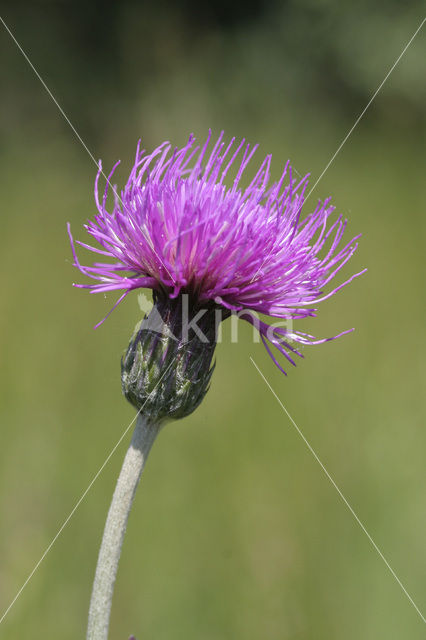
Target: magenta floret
(176,227)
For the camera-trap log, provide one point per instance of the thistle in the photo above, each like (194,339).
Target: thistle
(207,250)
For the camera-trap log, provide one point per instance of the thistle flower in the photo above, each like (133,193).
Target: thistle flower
(202,247)
(177,228)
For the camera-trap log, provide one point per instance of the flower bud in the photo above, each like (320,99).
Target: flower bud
(166,369)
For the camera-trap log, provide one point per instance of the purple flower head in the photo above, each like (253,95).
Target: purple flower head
(178,228)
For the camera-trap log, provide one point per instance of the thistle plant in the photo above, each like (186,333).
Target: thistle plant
(207,248)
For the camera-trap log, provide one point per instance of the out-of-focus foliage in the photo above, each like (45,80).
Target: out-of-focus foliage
(103,56)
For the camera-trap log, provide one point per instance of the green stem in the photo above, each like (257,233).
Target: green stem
(115,528)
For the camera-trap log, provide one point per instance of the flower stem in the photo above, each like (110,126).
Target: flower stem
(115,527)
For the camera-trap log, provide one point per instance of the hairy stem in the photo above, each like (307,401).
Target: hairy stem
(115,528)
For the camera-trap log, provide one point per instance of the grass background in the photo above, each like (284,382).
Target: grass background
(235,532)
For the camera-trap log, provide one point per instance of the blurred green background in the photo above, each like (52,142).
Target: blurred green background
(235,532)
